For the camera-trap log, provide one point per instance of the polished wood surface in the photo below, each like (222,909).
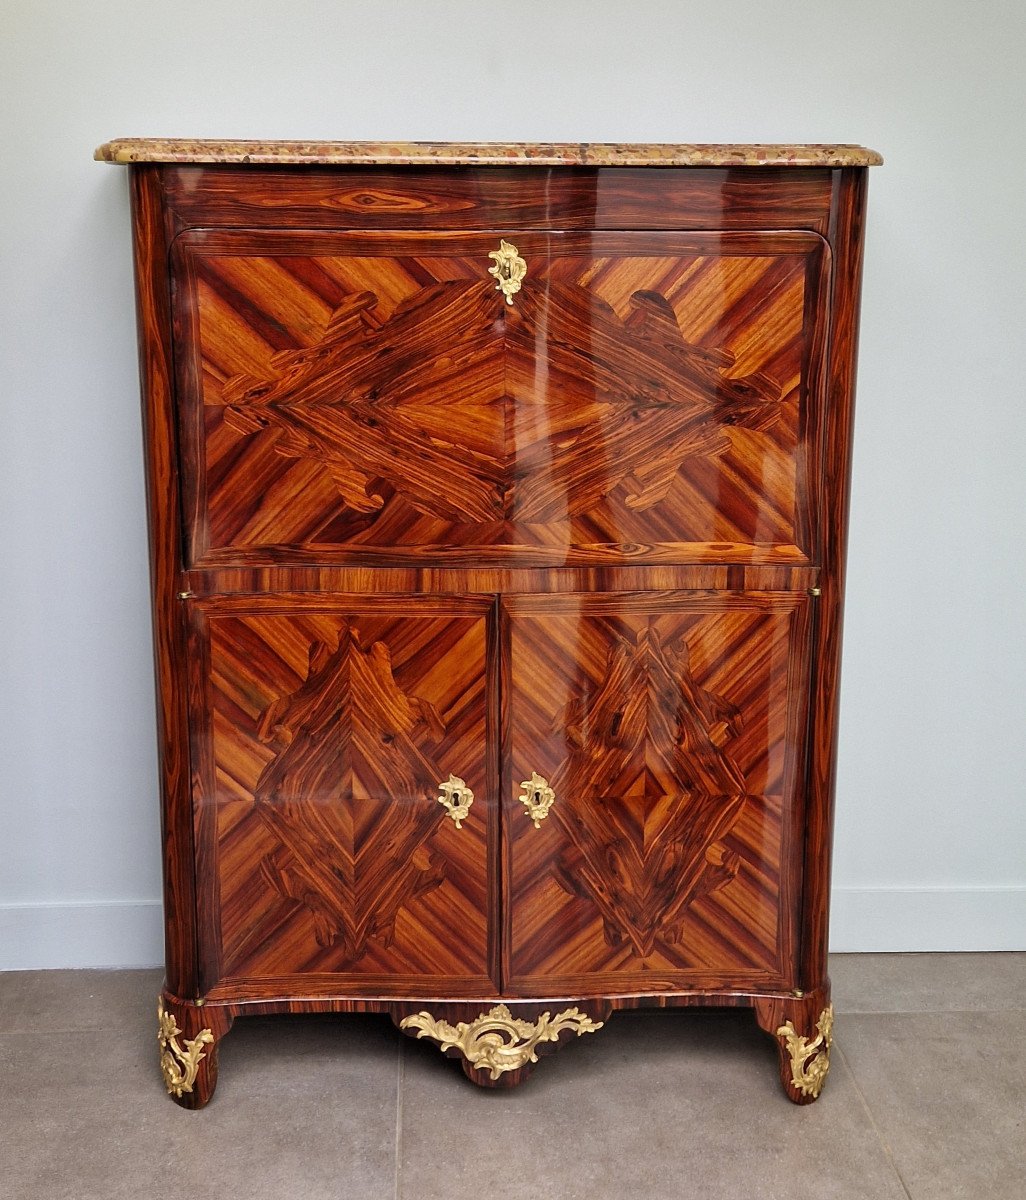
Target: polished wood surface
(673,740)
(372,399)
(163,504)
(846,233)
(371,580)
(403,531)
(430,199)
(324,729)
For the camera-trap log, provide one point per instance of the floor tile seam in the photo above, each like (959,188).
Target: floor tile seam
(924,1012)
(884,1145)
(397,1148)
(47,1031)
(68,1030)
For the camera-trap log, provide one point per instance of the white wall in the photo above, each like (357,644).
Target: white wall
(931,826)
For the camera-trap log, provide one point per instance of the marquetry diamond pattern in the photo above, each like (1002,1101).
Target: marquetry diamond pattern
(354,403)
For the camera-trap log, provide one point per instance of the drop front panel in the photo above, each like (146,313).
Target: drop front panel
(645,397)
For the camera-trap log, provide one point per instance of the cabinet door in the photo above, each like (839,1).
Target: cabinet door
(325,731)
(645,397)
(653,790)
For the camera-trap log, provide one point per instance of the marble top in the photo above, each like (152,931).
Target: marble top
(484,154)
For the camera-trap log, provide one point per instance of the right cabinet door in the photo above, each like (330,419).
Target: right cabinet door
(654,768)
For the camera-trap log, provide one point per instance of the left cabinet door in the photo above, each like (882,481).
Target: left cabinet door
(324,732)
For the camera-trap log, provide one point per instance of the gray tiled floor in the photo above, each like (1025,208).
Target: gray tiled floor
(926,1099)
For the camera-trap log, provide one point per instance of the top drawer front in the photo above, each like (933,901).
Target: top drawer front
(370,398)
(437,198)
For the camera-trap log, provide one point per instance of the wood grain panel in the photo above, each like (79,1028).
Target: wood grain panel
(846,234)
(324,727)
(163,482)
(488,198)
(649,397)
(671,728)
(469,579)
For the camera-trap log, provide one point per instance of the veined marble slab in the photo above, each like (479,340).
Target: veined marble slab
(484,154)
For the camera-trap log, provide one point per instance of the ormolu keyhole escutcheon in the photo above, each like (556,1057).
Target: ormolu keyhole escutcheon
(509,270)
(537,797)
(456,798)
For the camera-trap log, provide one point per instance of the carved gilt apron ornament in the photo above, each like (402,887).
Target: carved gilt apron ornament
(497,1041)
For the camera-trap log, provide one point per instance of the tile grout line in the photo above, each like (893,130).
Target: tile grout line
(397,1149)
(923,1012)
(872,1120)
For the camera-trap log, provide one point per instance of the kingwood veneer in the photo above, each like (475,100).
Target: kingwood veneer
(498,503)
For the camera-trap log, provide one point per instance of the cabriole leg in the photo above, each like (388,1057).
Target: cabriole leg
(188,1036)
(803,1029)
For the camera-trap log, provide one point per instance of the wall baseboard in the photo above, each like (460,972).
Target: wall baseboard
(120,933)
(864,920)
(917,920)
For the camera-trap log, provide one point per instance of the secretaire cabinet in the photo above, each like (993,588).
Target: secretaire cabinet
(497,502)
